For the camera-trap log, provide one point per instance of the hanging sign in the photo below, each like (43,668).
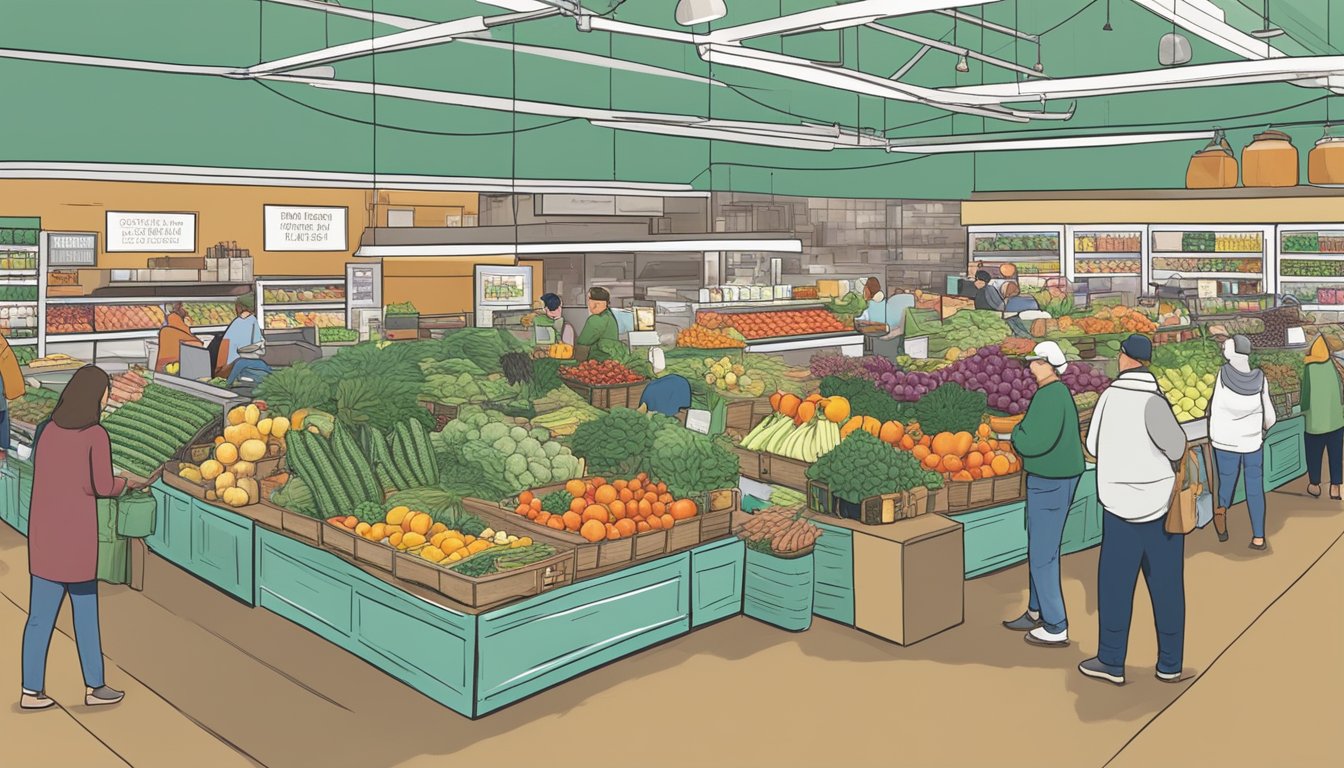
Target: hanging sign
(305,228)
(142,232)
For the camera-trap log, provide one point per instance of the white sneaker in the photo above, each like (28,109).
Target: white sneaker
(1044,637)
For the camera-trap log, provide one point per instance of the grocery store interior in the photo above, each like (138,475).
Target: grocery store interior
(662,382)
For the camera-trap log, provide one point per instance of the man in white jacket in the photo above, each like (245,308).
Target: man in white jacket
(1135,439)
(1240,413)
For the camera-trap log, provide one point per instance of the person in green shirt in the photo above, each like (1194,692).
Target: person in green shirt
(1049,440)
(1323,409)
(601,323)
(550,316)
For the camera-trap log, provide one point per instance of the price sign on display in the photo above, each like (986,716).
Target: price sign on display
(305,228)
(148,232)
(1207,289)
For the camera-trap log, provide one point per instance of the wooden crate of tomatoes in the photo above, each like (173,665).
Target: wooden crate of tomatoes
(605,384)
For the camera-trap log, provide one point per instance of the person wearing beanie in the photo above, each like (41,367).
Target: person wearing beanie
(601,324)
(1136,440)
(1050,443)
(1323,409)
(1240,413)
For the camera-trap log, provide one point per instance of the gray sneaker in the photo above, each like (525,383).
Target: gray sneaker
(102,696)
(1023,623)
(1095,669)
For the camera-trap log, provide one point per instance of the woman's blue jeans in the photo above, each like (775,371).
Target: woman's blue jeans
(1251,468)
(44,602)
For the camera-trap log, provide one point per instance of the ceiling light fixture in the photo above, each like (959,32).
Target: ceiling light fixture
(949,144)
(1207,21)
(962,64)
(1107,26)
(1173,50)
(1268,30)
(929,42)
(692,12)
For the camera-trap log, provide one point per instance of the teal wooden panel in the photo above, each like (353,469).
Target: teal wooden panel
(221,550)
(525,648)
(1285,453)
(418,644)
(9,496)
(779,591)
(296,581)
(995,537)
(172,525)
(833,582)
(716,581)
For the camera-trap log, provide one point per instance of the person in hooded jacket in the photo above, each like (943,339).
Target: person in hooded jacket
(1323,410)
(1136,439)
(1240,413)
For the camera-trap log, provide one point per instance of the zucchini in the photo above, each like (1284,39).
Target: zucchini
(380,458)
(428,473)
(300,457)
(401,457)
(326,470)
(357,474)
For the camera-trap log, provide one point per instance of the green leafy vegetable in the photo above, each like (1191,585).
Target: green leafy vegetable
(863,466)
(617,443)
(692,464)
(293,387)
(950,408)
(557,502)
(865,399)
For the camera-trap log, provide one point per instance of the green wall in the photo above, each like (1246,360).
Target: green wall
(75,113)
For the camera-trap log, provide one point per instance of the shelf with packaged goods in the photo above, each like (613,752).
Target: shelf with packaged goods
(331,306)
(143,300)
(1169,274)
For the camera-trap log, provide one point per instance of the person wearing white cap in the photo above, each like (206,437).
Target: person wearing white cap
(1049,440)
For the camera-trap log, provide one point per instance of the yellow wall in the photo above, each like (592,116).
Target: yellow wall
(224,213)
(444,285)
(1230,210)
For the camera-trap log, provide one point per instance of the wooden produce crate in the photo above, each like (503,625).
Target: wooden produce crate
(262,513)
(769,468)
(608,396)
(875,510)
(976,494)
(442,412)
(301,526)
(593,558)
(555,571)
(742,415)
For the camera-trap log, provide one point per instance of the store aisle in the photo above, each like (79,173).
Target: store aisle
(975,695)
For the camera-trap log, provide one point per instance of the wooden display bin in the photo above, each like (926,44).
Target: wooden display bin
(554,571)
(876,510)
(259,512)
(713,522)
(608,396)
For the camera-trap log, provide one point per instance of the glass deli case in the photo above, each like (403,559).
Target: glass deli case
(1311,265)
(1228,263)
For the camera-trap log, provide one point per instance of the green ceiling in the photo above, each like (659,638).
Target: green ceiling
(58,112)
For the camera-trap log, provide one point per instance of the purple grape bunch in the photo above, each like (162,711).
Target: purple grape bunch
(1006,382)
(834,364)
(1081,378)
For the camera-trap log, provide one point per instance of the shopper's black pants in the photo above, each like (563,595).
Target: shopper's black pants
(1318,446)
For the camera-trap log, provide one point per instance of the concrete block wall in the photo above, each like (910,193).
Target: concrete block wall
(914,243)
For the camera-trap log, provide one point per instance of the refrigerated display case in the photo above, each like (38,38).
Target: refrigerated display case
(1311,265)
(297,302)
(1106,260)
(1037,252)
(20,314)
(1230,263)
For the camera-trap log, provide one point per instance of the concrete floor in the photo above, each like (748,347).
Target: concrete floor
(213,683)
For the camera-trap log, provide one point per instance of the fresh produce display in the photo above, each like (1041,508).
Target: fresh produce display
(692,464)
(864,397)
(1282,378)
(403,308)
(922,365)
(1006,382)
(209,313)
(847,307)
(142,317)
(730,378)
(1108,244)
(1094,266)
(15,236)
(515,552)
(1314,242)
(127,388)
(907,386)
(487,455)
(561,411)
(787,498)
(1187,390)
(18,320)
(1018,243)
(774,324)
(292,319)
(619,442)
(336,335)
(622,508)
(1203,355)
(250,435)
(1086,400)
(17,260)
(146,433)
(601,373)
(1082,378)
(34,406)
(18,292)
(324,294)
(699,337)
(777,531)
(25,355)
(863,466)
(1251,266)
(70,318)
(1311,268)
(1211,242)
(1108,320)
(802,429)
(950,408)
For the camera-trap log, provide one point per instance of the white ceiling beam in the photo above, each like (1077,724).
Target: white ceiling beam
(929,42)
(954,144)
(969,19)
(79,59)
(1206,20)
(722,134)
(1275,70)
(579,57)
(832,17)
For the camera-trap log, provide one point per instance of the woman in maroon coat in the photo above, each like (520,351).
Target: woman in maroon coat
(72,469)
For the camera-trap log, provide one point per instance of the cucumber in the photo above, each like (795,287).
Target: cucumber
(300,457)
(357,472)
(326,469)
(429,468)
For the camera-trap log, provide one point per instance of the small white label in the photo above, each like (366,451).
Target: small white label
(698,421)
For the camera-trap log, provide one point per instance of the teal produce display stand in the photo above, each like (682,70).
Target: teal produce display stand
(779,591)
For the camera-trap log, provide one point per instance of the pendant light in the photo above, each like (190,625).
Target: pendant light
(962,64)
(1269,30)
(1107,26)
(693,12)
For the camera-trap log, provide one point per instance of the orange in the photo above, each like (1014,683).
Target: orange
(668,521)
(593,531)
(597,512)
(963,476)
(682,509)
(556,523)
(952,464)
(974,460)
(351,522)
(625,495)
(536,504)
(659,508)
(626,527)
(837,410)
(983,431)
(532,513)
(578,504)
(662,487)
(984,448)
(805,413)
(620,484)
(774,400)
(617,509)
(986,472)
(572,520)
(891,432)
(788,405)
(851,425)
(612,533)
(522,509)
(651,497)
(543,517)
(525,497)
(907,443)
(919,451)
(925,440)
(635,485)
(932,461)
(666,498)
(645,508)
(598,482)
(605,494)
(643,527)
(1000,465)
(655,522)
(576,487)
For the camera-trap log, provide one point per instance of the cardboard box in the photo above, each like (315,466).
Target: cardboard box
(909,578)
(92,279)
(174,275)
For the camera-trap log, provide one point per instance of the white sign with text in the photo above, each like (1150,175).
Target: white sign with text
(305,228)
(150,232)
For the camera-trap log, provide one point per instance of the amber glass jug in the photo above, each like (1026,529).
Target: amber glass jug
(1213,167)
(1325,161)
(1270,160)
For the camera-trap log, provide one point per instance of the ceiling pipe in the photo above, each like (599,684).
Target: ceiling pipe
(954,144)
(391,20)
(969,19)
(940,45)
